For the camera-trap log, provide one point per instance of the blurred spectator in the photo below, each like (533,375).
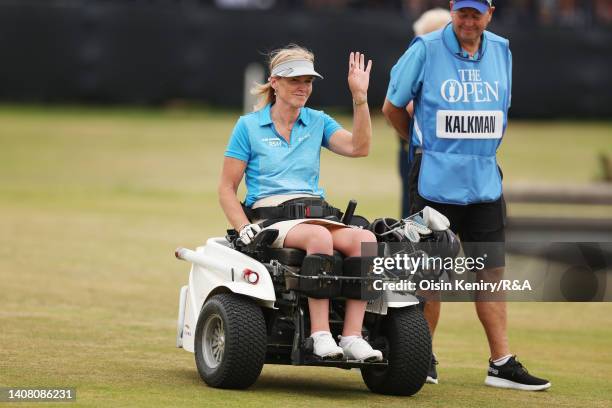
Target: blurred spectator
(517,11)
(415,8)
(431,20)
(603,11)
(548,10)
(328,4)
(569,14)
(573,13)
(245,4)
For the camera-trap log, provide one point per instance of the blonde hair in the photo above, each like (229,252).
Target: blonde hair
(265,92)
(431,20)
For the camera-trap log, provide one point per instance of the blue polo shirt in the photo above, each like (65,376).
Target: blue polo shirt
(275,166)
(407,74)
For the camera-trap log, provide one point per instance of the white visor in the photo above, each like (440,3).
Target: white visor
(295,68)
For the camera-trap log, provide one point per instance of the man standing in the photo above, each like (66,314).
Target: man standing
(431,20)
(460,79)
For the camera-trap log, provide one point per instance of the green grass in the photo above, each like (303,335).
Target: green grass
(93,202)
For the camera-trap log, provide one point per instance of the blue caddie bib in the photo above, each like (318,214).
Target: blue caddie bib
(460,118)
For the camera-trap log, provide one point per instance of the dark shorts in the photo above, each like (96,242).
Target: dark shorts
(480,226)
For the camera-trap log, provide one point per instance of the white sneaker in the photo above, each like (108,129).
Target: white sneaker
(356,348)
(325,346)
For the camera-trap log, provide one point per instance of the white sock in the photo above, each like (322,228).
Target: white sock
(501,361)
(346,340)
(319,333)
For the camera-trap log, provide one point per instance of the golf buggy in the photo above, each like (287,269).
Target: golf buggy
(246,306)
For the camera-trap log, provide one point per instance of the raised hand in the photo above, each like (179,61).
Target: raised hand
(359,76)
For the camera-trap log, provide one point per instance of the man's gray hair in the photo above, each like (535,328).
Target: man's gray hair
(431,20)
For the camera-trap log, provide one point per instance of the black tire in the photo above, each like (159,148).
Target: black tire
(406,336)
(236,360)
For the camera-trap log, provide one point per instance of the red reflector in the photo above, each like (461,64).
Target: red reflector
(250,276)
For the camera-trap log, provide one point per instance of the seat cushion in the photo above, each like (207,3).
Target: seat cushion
(287,256)
(291,256)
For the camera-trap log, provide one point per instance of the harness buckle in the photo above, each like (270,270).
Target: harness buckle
(296,211)
(314,211)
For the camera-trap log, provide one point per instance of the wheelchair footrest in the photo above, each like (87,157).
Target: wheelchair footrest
(344,363)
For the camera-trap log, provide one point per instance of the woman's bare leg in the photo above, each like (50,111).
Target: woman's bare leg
(314,239)
(348,241)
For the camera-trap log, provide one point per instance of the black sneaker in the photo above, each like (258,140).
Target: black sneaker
(432,374)
(514,375)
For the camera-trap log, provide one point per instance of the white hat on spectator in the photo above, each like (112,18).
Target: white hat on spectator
(431,20)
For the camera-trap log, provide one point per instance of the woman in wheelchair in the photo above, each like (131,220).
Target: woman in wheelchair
(277,147)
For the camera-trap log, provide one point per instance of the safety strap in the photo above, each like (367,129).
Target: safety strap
(294,209)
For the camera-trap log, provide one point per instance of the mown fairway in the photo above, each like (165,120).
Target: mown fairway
(93,203)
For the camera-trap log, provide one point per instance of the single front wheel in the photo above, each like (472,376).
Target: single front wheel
(230,341)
